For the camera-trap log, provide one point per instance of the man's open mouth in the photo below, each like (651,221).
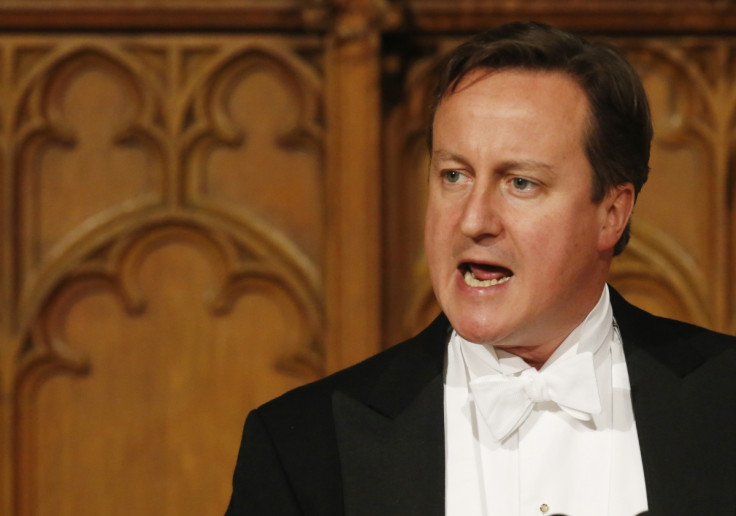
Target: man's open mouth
(483,275)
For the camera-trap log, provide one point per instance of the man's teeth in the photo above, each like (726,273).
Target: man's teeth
(472,281)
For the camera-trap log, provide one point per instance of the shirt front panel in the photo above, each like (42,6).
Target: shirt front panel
(554,463)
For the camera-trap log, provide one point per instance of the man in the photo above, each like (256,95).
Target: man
(539,390)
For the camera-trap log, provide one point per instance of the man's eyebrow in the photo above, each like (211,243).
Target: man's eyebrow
(506,166)
(444,155)
(525,164)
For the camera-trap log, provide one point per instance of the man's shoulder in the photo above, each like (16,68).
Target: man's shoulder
(420,355)
(649,323)
(662,335)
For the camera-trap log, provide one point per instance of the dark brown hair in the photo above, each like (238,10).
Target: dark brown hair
(619,133)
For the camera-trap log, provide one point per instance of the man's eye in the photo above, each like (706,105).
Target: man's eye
(452,176)
(522,184)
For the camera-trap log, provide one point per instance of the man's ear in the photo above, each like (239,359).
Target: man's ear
(616,208)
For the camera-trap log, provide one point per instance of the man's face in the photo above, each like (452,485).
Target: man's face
(513,241)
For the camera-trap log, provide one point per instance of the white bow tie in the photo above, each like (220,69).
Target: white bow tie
(504,402)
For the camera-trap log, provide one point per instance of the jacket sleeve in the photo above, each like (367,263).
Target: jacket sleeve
(260,484)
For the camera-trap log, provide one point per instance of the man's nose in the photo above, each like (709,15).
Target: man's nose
(481,216)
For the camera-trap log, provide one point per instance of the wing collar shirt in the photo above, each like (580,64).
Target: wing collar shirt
(551,457)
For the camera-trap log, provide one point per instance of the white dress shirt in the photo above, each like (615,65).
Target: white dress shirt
(553,463)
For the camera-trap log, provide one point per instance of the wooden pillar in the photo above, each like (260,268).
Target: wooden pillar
(353,175)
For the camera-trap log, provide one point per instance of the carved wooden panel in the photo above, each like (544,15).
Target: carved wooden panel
(594,16)
(681,261)
(157,14)
(415,15)
(167,205)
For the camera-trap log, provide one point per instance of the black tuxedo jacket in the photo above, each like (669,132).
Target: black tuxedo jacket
(369,440)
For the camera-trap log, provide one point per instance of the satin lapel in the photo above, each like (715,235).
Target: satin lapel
(656,397)
(391,437)
(680,422)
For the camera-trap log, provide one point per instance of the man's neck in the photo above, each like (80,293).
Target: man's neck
(537,356)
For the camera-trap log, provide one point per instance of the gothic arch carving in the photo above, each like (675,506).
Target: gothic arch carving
(220,147)
(655,269)
(115,272)
(52,152)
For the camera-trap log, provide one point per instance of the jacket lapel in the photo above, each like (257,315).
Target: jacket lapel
(681,420)
(390,432)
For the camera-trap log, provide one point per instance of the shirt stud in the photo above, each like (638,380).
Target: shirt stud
(544,508)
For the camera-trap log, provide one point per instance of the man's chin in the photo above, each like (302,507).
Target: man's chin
(479,333)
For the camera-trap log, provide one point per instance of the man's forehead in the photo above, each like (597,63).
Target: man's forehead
(551,84)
